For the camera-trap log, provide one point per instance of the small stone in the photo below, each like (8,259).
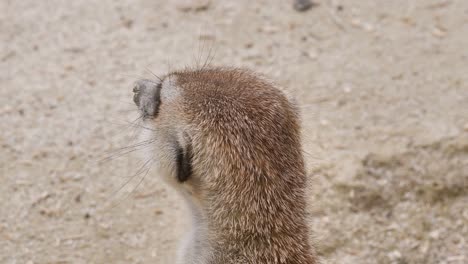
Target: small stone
(71,176)
(78,198)
(408,21)
(434,234)
(270,29)
(127,23)
(394,255)
(192,5)
(312,53)
(248,45)
(347,88)
(6,110)
(362,25)
(439,32)
(158,212)
(69,68)
(9,55)
(303,5)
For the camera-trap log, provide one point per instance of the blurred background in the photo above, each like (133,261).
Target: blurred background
(383,88)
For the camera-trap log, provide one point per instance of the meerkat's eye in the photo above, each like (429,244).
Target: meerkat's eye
(147,96)
(184,163)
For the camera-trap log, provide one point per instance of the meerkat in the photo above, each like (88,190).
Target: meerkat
(229,142)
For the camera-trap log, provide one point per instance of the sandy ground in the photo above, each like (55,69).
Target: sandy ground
(384,92)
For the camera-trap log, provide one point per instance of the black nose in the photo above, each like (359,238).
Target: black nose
(136,96)
(147,97)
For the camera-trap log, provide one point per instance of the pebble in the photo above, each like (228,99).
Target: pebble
(434,234)
(6,110)
(394,255)
(73,176)
(192,5)
(302,5)
(439,32)
(324,122)
(312,53)
(347,88)
(270,29)
(207,36)
(363,25)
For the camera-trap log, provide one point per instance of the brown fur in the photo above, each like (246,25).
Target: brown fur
(248,170)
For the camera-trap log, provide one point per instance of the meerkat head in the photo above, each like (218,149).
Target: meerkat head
(230,141)
(220,118)
(159,103)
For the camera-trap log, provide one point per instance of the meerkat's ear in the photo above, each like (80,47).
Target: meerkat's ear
(184,163)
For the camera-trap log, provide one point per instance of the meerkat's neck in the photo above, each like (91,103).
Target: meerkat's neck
(218,236)
(195,248)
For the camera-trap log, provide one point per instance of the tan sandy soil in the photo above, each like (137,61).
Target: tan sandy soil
(384,92)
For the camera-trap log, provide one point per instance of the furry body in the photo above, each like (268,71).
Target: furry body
(229,142)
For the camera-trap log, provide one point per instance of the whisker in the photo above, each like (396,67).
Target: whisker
(120,129)
(141,180)
(129,125)
(125,111)
(142,143)
(142,171)
(152,73)
(201,48)
(123,153)
(209,58)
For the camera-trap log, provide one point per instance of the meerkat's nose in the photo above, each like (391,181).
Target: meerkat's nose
(146,97)
(136,95)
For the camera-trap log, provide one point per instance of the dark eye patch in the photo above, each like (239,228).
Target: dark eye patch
(184,163)
(157,100)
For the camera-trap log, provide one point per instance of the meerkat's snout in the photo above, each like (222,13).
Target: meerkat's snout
(229,142)
(173,153)
(147,96)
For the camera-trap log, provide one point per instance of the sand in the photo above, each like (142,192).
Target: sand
(383,88)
